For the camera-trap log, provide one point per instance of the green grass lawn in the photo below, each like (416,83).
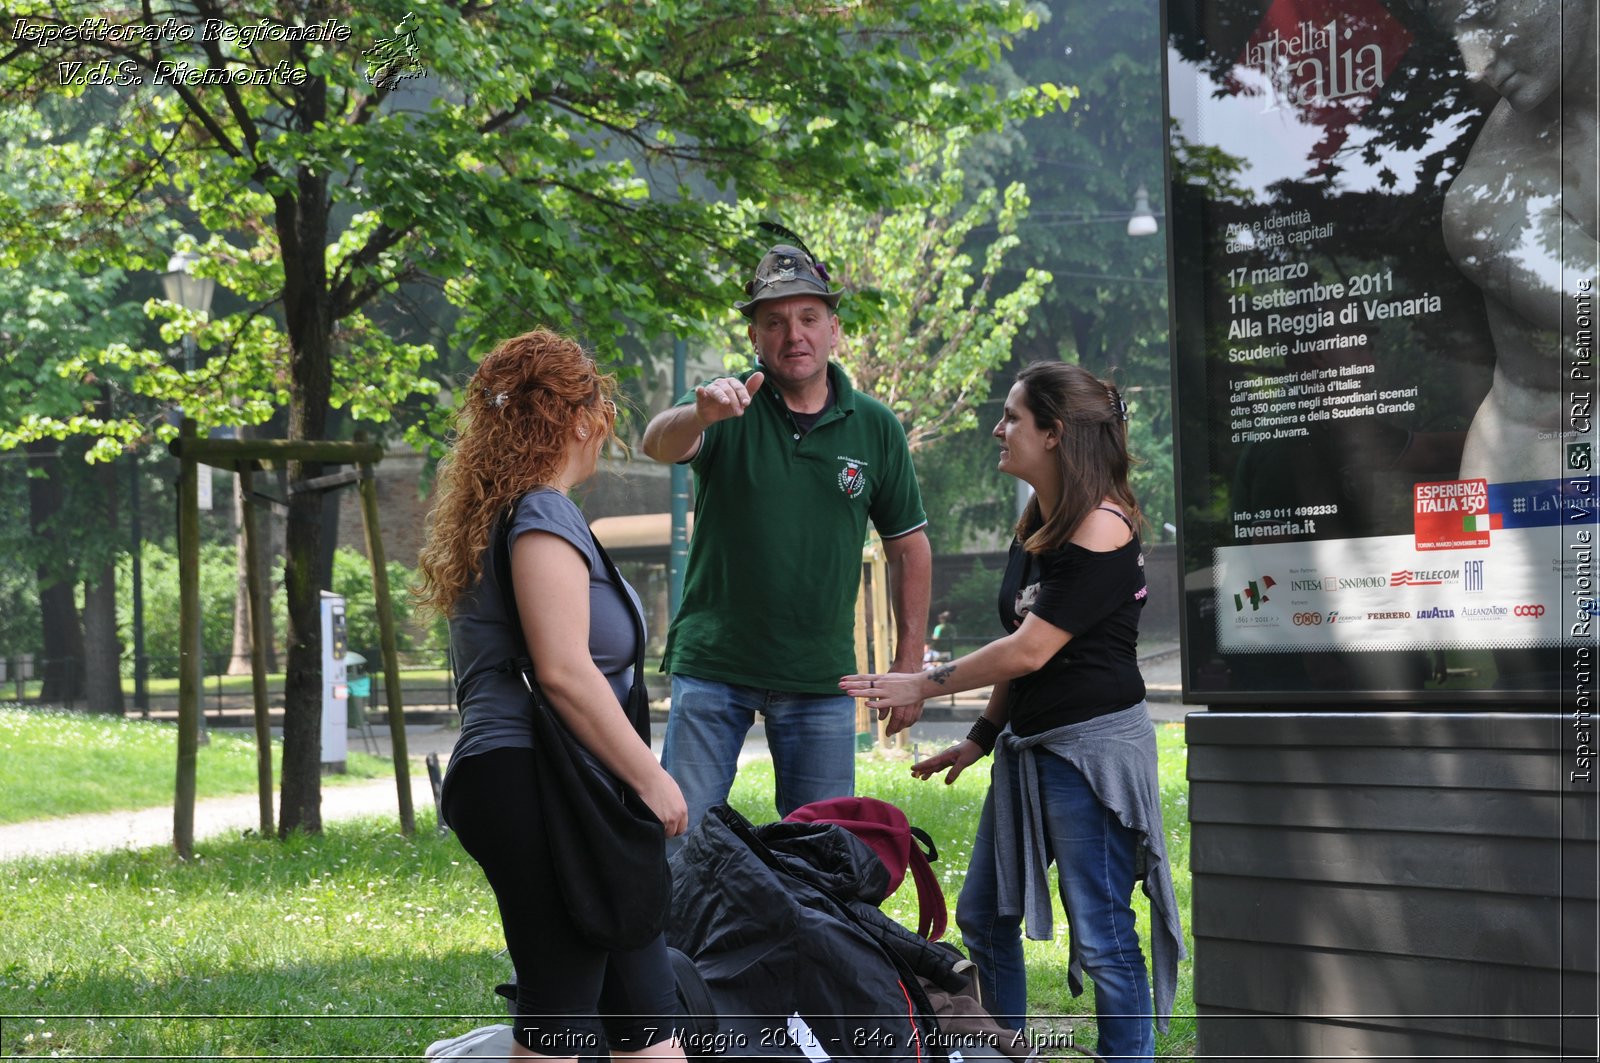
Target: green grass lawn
(360,942)
(62,763)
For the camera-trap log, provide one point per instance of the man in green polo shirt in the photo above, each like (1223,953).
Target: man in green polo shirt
(790,464)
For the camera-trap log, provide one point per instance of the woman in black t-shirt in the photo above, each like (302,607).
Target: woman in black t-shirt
(1075,777)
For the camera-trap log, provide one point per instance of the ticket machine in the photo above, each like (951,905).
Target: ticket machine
(335,690)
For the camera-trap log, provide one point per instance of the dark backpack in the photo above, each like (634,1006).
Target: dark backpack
(898,844)
(777,923)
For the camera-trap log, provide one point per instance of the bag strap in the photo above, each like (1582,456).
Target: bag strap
(932,915)
(638,707)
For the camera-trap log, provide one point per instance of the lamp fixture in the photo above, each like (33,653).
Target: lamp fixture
(1142,222)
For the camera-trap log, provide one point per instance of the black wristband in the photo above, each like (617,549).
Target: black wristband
(983,735)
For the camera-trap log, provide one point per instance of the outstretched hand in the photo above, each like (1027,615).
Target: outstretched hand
(886,690)
(956,759)
(725,397)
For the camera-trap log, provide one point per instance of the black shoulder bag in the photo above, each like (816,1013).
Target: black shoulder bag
(609,849)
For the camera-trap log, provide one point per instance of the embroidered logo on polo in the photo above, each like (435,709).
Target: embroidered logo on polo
(852,478)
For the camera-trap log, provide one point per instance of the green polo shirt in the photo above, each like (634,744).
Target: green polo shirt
(769,592)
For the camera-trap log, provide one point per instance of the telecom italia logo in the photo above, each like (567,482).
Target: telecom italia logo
(1433,577)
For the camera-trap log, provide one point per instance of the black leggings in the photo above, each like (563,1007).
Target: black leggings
(573,999)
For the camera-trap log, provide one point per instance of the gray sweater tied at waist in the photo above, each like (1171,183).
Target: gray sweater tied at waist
(1116,753)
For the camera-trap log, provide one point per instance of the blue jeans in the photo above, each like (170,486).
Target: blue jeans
(812,739)
(1094,856)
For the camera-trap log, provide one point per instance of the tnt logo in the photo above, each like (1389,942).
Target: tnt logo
(1255,592)
(1578,457)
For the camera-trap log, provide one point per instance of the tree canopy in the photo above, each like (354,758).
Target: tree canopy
(933,328)
(581,165)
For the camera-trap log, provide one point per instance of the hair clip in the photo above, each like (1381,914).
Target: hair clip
(1117,403)
(497,400)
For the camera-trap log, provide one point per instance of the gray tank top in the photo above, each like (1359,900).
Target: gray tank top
(494,703)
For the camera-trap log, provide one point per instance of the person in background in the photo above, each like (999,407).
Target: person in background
(790,464)
(1074,778)
(531,426)
(942,641)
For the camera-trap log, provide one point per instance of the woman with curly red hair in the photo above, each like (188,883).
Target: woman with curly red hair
(530,427)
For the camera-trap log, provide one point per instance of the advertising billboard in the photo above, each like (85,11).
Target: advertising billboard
(1383,226)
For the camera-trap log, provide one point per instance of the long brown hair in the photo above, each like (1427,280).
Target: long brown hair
(1092,457)
(520,412)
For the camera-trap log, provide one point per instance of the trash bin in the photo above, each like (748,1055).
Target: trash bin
(358,687)
(358,684)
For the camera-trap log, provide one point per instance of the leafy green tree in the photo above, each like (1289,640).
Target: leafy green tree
(1107,307)
(50,314)
(929,328)
(570,163)
(161,606)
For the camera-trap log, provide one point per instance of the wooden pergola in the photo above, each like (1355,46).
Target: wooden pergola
(245,457)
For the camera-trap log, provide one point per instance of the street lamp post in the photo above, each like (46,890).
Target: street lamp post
(141,664)
(194,294)
(188,291)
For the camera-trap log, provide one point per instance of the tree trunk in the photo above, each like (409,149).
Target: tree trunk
(103,650)
(302,224)
(62,664)
(239,659)
(102,672)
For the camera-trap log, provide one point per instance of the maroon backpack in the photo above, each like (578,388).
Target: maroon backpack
(886,829)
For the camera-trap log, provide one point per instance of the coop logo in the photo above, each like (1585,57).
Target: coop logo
(1254,592)
(1534,611)
(1436,613)
(1432,577)
(1472,577)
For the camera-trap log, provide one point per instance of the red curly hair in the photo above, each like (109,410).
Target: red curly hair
(526,402)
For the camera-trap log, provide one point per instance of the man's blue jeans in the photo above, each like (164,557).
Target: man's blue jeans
(812,739)
(1094,856)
